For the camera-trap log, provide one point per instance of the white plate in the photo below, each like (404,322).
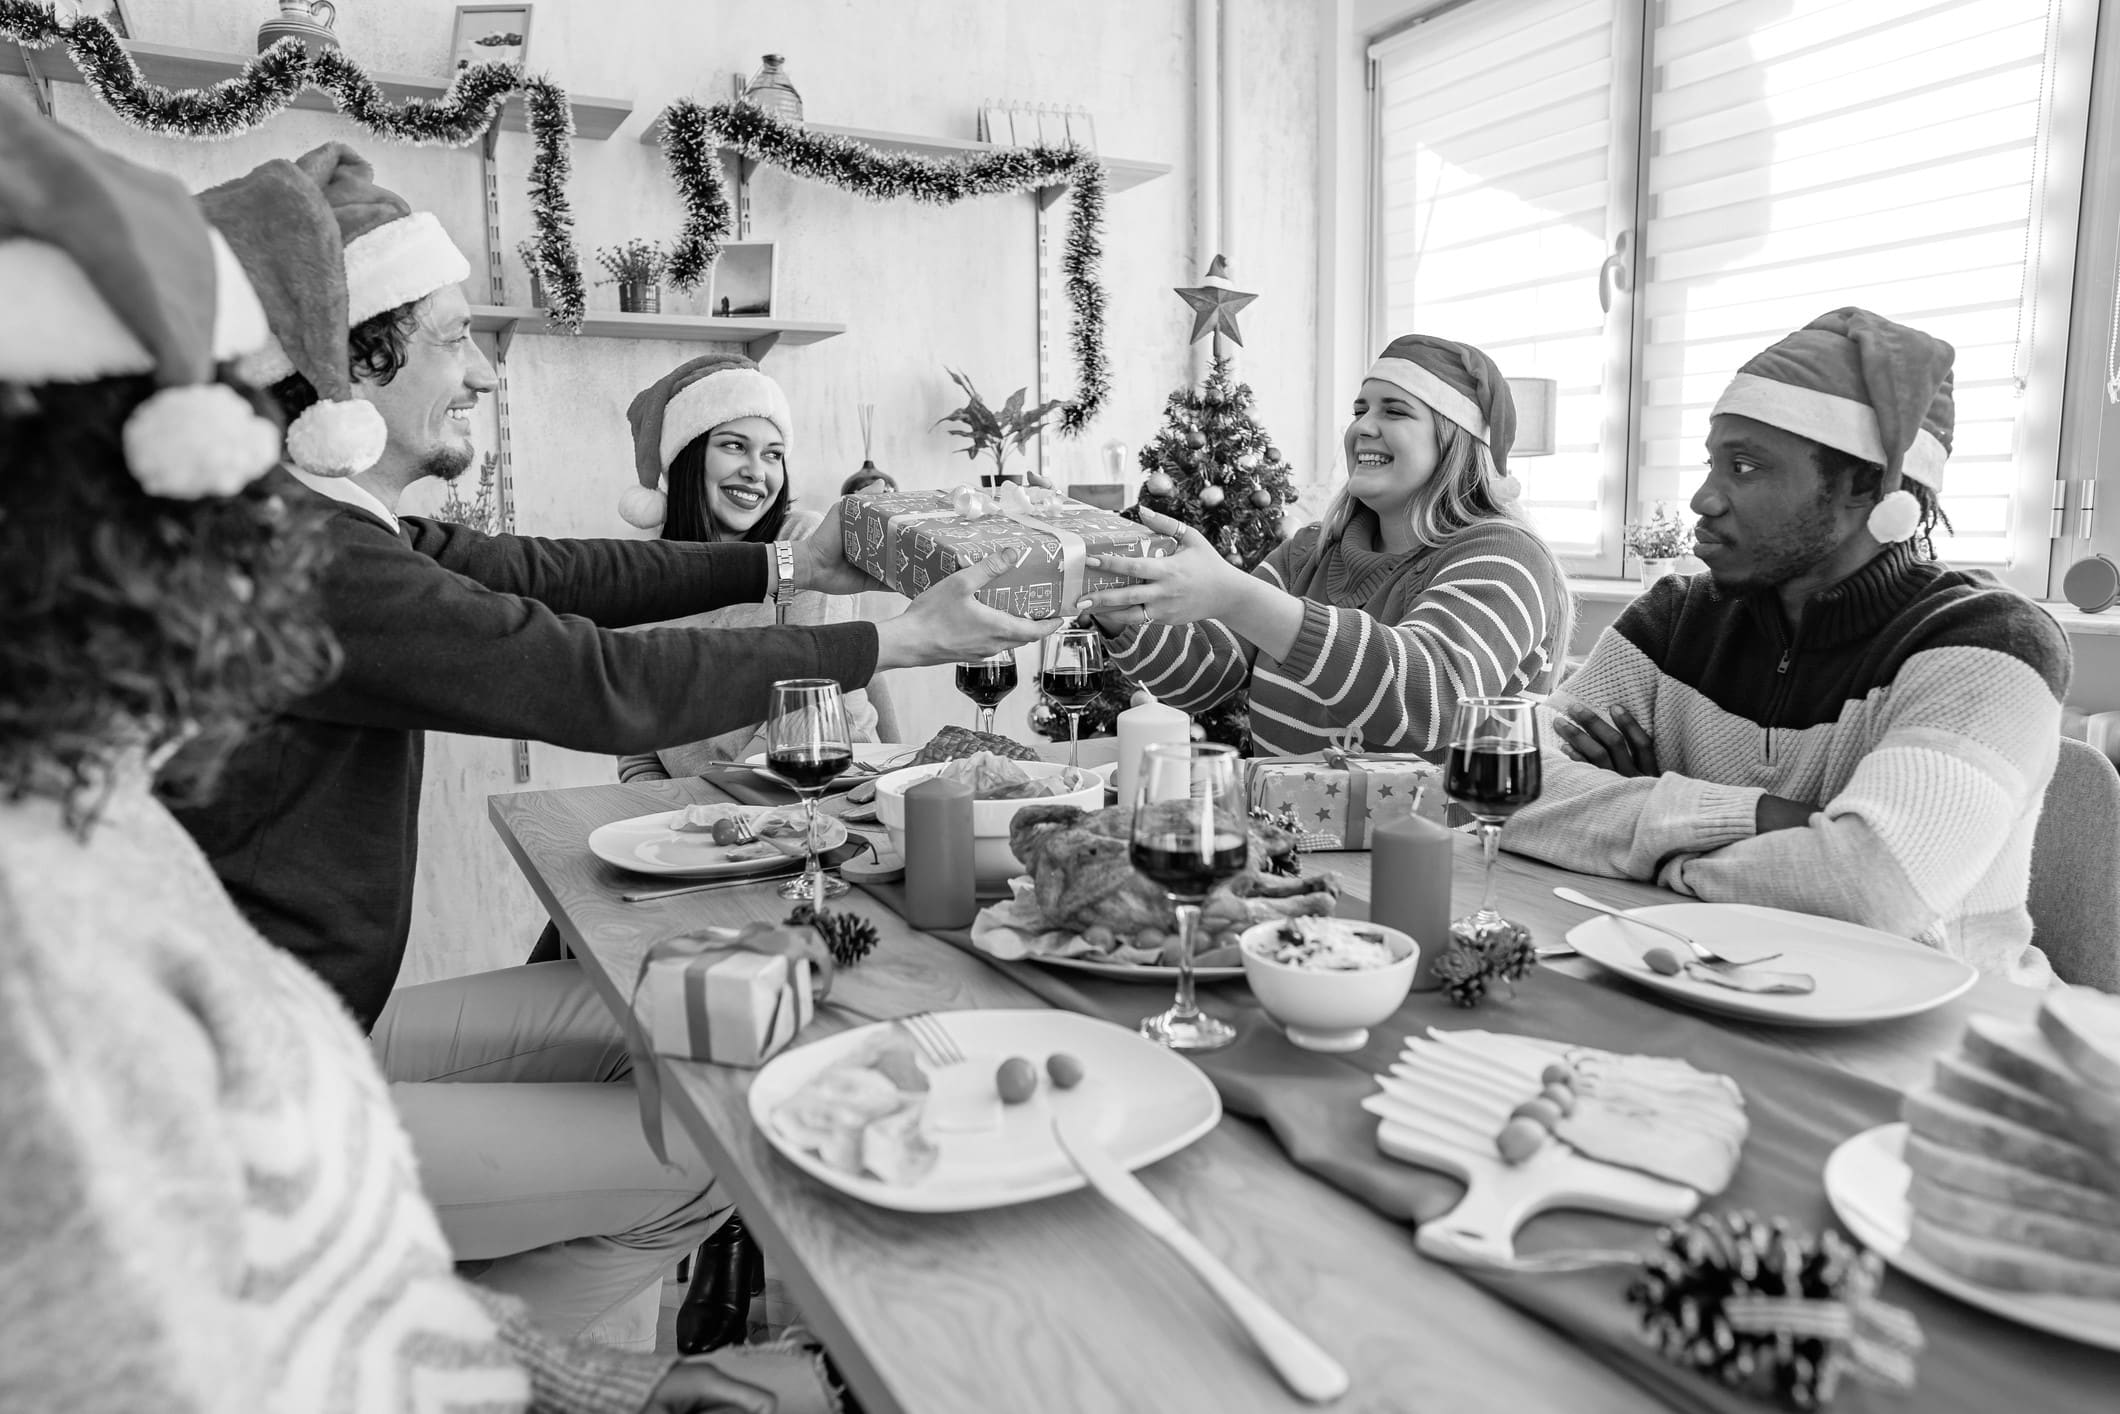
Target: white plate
(1863,975)
(1866,1181)
(1138,972)
(866,753)
(647,845)
(1148,1103)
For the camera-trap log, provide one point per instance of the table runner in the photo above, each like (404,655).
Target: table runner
(1800,1109)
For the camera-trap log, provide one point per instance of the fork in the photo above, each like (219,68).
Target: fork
(1706,954)
(929,1035)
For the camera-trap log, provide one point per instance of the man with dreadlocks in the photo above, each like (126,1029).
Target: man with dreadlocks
(1829,720)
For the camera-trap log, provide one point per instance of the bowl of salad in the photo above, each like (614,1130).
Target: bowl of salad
(1328,980)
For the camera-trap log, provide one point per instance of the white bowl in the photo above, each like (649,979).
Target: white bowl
(1329,1011)
(993,862)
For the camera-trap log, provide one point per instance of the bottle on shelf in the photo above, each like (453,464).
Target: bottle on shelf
(772,92)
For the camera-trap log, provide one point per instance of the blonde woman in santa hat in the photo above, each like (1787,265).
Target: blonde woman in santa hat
(210,1203)
(1422,585)
(1829,720)
(710,447)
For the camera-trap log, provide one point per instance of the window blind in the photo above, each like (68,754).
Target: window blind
(1494,131)
(1809,154)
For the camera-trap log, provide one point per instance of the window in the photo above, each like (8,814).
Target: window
(1779,158)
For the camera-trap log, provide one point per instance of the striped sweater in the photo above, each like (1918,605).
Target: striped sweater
(1917,705)
(1389,643)
(210,1205)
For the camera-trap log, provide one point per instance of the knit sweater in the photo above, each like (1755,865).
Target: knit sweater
(1918,706)
(210,1205)
(315,832)
(1389,642)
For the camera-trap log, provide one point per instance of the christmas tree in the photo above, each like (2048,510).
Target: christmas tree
(1213,467)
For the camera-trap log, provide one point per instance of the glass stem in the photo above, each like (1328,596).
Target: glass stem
(1490,845)
(1074,735)
(986,720)
(1188,929)
(812,867)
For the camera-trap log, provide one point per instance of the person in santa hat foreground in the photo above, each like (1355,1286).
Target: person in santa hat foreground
(1829,720)
(210,1203)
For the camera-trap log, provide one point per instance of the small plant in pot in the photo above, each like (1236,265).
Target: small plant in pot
(996,433)
(1658,541)
(636,268)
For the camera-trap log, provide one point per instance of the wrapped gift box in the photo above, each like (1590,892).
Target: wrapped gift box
(1338,803)
(729,1007)
(912,540)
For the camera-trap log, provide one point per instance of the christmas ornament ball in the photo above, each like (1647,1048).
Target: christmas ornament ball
(1273,456)
(1197,732)
(1261,497)
(1160,484)
(1044,718)
(1196,438)
(1210,496)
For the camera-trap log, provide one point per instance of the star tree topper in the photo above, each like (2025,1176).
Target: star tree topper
(1215,304)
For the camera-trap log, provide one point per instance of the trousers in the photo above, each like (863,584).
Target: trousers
(512,1086)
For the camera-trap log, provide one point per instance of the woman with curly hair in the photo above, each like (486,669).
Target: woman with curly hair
(210,1204)
(1421,586)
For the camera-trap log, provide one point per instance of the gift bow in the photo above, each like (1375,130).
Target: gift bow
(1865,1337)
(794,944)
(1344,752)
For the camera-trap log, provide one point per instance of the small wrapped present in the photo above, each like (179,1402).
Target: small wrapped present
(912,540)
(1336,801)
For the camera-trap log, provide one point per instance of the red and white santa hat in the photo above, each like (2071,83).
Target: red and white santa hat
(693,398)
(109,272)
(329,249)
(1860,383)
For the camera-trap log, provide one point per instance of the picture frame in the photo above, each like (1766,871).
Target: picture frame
(745,283)
(1052,126)
(996,126)
(111,12)
(1081,128)
(483,35)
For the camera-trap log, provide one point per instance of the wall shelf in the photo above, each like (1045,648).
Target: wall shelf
(594,118)
(1121,174)
(758,336)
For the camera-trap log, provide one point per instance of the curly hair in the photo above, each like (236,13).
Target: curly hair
(136,622)
(688,518)
(1866,478)
(375,350)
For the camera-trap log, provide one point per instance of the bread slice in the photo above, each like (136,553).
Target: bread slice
(1986,1262)
(1974,1216)
(1967,1080)
(1987,1178)
(1960,1126)
(2085,1027)
(2020,1053)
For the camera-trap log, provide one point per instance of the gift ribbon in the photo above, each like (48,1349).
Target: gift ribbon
(1344,753)
(1015,505)
(706,947)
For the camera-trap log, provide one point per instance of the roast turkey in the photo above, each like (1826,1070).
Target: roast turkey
(1079,867)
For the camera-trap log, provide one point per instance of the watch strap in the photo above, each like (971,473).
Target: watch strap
(784,584)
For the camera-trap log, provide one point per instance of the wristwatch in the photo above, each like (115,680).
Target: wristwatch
(784,587)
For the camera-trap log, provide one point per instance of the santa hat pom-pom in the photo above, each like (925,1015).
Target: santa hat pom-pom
(198,441)
(1508,490)
(337,439)
(642,506)
(1895,518)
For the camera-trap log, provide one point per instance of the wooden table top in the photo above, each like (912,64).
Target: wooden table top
(1063,1304)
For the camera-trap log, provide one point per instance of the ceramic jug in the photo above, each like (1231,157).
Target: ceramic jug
(307,20)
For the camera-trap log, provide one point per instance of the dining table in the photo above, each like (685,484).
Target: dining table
(1063,1304)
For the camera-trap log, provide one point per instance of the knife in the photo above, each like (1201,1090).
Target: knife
(1301,1364)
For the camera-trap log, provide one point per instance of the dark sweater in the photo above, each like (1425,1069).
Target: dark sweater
(315,827)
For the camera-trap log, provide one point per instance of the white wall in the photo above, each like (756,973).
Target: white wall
(918,287)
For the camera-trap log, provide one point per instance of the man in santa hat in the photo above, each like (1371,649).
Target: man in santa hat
(549,1185)
(1829,720)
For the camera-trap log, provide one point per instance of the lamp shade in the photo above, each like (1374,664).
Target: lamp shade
(1537,405)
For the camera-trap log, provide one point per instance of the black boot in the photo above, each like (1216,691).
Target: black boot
(728,1271)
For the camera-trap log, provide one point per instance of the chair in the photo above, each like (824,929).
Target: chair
(2075,898)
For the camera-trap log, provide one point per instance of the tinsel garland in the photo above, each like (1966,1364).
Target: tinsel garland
(271,81)
(693,134)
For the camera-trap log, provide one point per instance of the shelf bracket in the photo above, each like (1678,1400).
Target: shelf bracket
(737,170)
(40,86)
(757,349)
(1045,198)
(503,451)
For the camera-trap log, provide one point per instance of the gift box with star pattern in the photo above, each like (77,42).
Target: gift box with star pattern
(1338,804)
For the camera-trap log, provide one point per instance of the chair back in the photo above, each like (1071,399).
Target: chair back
(2075,892)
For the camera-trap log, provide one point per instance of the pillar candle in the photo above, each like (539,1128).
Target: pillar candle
(940,891)
(1410,864)
(1146,723)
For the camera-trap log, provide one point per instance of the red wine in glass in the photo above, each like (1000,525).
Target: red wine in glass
(1184,866)
(1069,687)
(810,768)
(1493,779)
(987,682)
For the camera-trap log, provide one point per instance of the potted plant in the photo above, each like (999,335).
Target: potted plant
(996,434)
(1658,541)
(636,268)
(527,250)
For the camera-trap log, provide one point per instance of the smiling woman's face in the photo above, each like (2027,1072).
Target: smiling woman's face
(1391,447)
(745,471)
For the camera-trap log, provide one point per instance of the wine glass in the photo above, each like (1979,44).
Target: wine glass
(1070,663)
(1493,771)
(986,682)
(807,748)
(1190,833)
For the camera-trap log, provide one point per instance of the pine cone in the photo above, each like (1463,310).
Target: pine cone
(848,936)
(1464,974)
